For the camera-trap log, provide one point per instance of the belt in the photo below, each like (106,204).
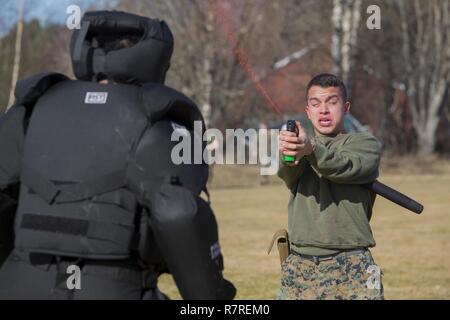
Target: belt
(318,259)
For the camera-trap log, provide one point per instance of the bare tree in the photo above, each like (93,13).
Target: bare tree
(425,30)
(17,52)
(346,17)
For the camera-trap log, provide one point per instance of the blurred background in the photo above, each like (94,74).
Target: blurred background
(394,57)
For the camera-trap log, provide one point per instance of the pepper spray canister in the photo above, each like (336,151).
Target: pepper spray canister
(291,126)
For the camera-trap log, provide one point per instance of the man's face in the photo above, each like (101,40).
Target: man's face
(326,109)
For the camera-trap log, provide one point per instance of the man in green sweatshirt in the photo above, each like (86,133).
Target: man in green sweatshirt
(329,209)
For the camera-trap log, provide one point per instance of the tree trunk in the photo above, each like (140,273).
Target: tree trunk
(336,37)
(346,17)
(426,58)
(426,138)
(15,73)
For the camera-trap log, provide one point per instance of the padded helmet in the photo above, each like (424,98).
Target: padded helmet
(122,47)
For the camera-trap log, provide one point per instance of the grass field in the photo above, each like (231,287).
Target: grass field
(412,250)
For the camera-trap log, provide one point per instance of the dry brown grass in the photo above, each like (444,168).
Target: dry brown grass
(413,250)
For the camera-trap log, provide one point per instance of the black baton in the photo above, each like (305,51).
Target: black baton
(395,196)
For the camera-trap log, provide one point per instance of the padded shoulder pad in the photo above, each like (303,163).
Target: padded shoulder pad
(161,102)
(29,90)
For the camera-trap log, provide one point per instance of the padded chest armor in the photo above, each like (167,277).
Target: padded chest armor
(74,200)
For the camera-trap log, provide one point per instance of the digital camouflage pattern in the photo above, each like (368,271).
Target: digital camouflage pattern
(352,277)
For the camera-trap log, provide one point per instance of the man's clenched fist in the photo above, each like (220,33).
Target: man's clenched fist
(295,145)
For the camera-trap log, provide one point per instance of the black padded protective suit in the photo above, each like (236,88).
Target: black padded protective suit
(98,189)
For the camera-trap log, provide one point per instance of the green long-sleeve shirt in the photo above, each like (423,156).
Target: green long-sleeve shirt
(328,209)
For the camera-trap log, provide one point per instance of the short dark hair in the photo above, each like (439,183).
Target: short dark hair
(326,80)
(119,43)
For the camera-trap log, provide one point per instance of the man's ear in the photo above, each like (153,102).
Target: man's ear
(307,111)
(347,106)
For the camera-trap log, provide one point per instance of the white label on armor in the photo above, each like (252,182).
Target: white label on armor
(215,251)
(96,97)
(182,130)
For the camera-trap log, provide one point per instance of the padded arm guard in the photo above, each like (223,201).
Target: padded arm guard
(183,224)
(186,231)
(13,127)
(8,207)
(11,143)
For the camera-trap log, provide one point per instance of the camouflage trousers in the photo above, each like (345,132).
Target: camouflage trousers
(349,277)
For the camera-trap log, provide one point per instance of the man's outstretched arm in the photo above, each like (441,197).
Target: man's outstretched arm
(356,161)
